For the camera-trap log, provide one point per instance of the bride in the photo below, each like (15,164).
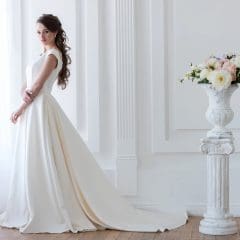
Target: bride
(56,184)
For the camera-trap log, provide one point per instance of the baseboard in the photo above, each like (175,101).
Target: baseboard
(191,209)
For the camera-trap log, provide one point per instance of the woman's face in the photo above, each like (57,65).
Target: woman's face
(45,36)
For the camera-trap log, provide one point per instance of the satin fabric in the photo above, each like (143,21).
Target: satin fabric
(56,184)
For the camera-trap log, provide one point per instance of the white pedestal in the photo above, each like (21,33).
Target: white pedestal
(217,220)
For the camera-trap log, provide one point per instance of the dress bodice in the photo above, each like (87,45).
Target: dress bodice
(34,68)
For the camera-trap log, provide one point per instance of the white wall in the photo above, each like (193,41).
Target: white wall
(171,116)
(168,117)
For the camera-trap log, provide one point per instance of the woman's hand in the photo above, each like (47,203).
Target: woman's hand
(27,96)
(15,115)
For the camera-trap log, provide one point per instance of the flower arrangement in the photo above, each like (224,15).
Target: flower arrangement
(221,72)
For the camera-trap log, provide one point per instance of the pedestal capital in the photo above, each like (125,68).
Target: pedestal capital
(220,146)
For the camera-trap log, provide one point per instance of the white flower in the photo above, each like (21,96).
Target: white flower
(220,79)
(236,61)
(204,74)
(211,62)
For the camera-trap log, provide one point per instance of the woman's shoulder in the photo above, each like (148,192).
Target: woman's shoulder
(57,53)
(54,51)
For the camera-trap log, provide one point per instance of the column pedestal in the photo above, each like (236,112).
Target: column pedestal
(217,220)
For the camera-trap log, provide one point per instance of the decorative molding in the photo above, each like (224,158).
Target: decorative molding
(125,77)
(92,73)
(143,75)
(88,73)
(159,51)
(81,93)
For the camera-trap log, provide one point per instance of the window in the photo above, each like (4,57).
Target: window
(10,80)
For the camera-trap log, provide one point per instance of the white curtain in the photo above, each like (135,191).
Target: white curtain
(10,83)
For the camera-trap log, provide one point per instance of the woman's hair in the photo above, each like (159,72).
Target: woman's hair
(53,24)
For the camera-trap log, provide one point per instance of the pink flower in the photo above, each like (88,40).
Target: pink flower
(231,68)
(223,60)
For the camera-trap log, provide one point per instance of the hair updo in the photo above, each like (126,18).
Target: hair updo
(53,24)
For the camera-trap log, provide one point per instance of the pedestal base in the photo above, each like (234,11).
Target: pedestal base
(218,226)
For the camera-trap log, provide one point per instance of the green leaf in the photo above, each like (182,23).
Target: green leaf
(204,81)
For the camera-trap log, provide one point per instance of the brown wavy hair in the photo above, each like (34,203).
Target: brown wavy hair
(53,24)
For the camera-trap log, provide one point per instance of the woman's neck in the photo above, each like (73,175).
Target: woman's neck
(49,47)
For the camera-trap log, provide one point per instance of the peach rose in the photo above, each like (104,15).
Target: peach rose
(231,68)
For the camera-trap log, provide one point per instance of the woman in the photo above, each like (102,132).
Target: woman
(56,184)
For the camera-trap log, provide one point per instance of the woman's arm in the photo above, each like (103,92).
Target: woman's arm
(24,93)
(18,112)
(48,66)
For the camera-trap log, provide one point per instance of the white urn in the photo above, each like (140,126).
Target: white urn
(219,112)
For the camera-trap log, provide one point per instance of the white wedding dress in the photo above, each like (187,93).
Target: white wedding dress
(56,184)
